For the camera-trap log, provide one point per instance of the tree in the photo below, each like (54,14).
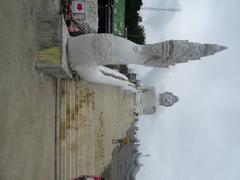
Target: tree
(135,31)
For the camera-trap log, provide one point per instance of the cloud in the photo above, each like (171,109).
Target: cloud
(156,77)
(197,138)
(157,20)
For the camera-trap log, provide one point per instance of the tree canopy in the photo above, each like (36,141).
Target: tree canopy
(135,31)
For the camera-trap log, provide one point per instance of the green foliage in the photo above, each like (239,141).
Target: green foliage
(119,18)
(136,32)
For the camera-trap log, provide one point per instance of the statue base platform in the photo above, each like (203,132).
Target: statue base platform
(52,53)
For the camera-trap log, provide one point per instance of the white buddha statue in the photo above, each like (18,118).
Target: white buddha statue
(167,99)
(151,101)
(88,53)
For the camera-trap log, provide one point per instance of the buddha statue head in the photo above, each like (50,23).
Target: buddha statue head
(167,99)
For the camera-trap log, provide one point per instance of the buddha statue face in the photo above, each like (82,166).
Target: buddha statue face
(167,99)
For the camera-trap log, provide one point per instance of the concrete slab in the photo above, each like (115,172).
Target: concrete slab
(52,57)
(27,105)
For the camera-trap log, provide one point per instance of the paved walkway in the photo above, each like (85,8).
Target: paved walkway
(91,116)
(27,99)
(27,108)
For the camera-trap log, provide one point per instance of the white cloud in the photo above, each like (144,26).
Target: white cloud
(198,138)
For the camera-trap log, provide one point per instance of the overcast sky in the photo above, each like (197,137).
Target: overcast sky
(199,137)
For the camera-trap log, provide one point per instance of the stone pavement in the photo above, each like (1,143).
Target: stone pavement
(91,116)
(28,107)
(27,98)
